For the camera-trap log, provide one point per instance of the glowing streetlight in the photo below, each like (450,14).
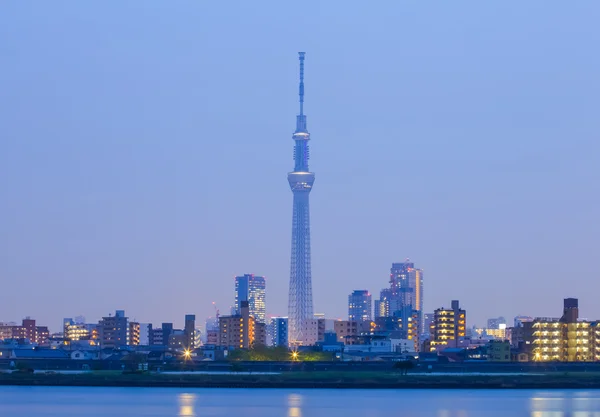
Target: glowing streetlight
(295,356)
(187,354)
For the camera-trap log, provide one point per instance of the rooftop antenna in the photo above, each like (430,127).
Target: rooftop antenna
(301,89)
(301,119)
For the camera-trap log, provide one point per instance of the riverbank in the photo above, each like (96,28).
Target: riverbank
(337,380)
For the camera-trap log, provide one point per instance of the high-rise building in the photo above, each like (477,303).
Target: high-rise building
(189,331)
(113,331)
(301,180)
(382,306)
(448,328)
(406,283)
(359,306)
(495,322)
(251,288)
(404,293)
(279,326)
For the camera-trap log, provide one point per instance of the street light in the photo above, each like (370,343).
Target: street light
(295,356)
(187,354)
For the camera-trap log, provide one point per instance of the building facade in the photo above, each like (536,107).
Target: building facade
(76,331)
(405,290)
(241,331)
(564,339)
(448,329)
(360,306)
(189,331)
(133,334)
(28,329)
(345,328)
(113,331)
(496,323)
(279,327)
(251,288)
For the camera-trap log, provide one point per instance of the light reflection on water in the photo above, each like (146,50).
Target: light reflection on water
(294,405)
(186,405)
(133,402)
(569,404)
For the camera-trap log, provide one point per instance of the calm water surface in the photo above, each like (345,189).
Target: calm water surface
(115,402)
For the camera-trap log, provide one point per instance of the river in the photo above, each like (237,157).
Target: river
(133,402)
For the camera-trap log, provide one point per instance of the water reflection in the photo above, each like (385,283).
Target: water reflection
(561,404)
(294,402)
(186,405)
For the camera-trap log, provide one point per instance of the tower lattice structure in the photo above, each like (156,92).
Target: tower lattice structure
(301,180)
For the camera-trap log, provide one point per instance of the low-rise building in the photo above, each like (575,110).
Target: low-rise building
(241,330)
(37,335)
(564,339)
(448,328)
(345,328)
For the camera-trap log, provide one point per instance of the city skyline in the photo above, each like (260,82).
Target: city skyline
(443,137)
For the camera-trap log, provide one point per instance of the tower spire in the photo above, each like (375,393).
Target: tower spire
(301,87)
(301,118)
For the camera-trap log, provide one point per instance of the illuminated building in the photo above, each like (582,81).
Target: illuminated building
(405,323)
(241,331)
(359,306)
(566,339)
(448,328)
(406,283)
(27,330)
(134,334)
(113,331)
(382,306)
(405,290)
(498,333)
(495,323)
(251,288)
(190,331)
(74,331)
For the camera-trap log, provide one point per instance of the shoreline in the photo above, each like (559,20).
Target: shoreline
(306,381)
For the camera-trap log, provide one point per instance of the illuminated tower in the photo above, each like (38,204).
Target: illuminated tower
(300,304)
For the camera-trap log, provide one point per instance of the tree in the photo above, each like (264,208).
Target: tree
(404,366)
(133,361)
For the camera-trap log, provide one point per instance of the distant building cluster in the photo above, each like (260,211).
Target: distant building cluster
(394,328)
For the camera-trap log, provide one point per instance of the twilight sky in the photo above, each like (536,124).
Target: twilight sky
(145,147)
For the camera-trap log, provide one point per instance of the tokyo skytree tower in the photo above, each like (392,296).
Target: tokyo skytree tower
(300,306)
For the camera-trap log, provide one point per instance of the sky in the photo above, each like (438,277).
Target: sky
(145,147)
